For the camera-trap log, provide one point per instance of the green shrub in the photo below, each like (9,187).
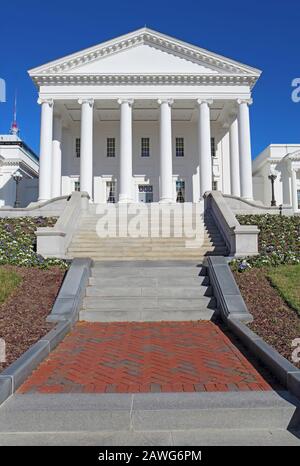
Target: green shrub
(278,241)
(18,242)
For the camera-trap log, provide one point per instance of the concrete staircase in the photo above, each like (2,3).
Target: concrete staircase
(147,291)
(233,418)
(156,244)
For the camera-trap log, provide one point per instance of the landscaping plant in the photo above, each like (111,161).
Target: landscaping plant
(18,242)
(278,241)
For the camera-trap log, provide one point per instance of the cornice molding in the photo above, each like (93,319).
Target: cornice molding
(143,79)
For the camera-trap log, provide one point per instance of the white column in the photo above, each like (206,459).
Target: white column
(45,149)
(204,146)
(86,146)
(294,189)
(245,149)
(125,189)
(56,156)
(234,159)
(166,171)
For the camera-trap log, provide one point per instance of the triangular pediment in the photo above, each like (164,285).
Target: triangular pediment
(144,59)
(144,52)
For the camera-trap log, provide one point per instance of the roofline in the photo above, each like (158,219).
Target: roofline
(261,159)
(36,70)
(23,146)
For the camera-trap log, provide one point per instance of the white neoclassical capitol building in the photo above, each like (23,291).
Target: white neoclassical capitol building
(145,117)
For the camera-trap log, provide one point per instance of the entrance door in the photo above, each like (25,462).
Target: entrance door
(180,191)
(145,193)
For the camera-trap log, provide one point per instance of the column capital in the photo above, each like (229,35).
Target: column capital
(41,101)
(125,101)
(244,101)
(205,101)
(86,100)
(165,101)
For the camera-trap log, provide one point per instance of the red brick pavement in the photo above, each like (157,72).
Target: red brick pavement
(145,357)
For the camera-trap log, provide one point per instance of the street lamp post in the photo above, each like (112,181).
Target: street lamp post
(17,176)
(272,178)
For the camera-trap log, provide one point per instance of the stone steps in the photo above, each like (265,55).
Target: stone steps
(154,292)
(183,419)
(169,256)
(146,302)
(122,248)
(148,291)
(147,281)
(162,245)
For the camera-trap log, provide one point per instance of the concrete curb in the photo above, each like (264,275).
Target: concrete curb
(68,301)
(284,371)
(229,299)
(65,311)
(234,312)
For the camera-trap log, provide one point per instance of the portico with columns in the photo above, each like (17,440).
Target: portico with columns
(145,113)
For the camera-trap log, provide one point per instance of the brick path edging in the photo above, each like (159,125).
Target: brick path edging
(65,313)
(234,312)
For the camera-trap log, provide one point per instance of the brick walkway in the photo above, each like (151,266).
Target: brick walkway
(145,357)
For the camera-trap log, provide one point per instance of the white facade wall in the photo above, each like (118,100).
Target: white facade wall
(146,170)
(14,157)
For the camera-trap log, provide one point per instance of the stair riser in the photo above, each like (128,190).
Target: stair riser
(139,243)
(144,316)
(154,292)
(122,258)
(146,282)
(145,303)
(156,248)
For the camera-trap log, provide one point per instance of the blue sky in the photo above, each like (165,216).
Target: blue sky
(264,34)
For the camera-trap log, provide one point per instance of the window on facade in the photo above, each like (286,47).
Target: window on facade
(298,197)
(179,147)
(180,191)
(215,186)
(111,192)
(145,147)
(77,186)
(77,147)
(111,147)
(213,147)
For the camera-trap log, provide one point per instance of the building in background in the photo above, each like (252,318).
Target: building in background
(145,118)
(283,161)
(16,156)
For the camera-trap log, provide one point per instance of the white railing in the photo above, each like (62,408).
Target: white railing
(241,240)
(54,241)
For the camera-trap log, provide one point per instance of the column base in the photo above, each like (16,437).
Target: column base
(167,201)
(124,200)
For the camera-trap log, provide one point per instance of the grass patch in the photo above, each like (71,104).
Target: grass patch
(286,279)
(9,280)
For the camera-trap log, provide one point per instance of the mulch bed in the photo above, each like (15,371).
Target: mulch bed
(274,320)
(23,314)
